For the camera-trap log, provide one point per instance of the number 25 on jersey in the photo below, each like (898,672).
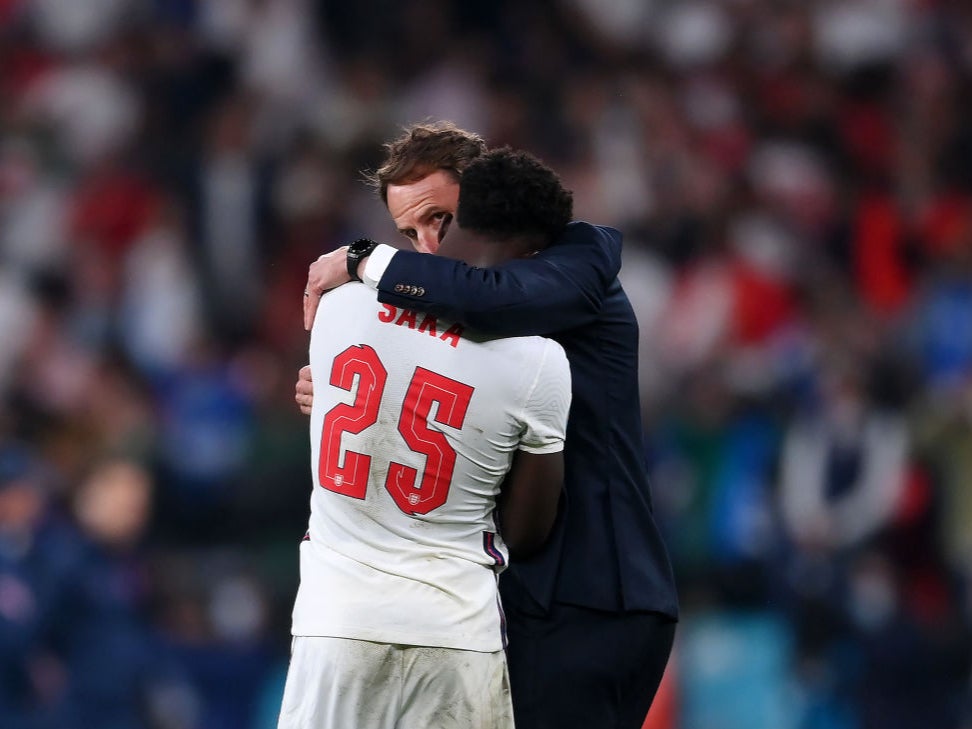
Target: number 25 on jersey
(412,494)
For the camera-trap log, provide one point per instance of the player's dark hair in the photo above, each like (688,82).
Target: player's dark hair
(505,193)
(421,150)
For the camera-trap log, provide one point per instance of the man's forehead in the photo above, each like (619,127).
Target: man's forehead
(436,190)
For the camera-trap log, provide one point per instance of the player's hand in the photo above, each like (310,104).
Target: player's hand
(327,272)
(304,395)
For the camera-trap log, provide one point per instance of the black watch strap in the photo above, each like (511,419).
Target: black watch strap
(361,248)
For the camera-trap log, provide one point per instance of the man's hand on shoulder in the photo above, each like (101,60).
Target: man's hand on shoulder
(327,272)
(304,390)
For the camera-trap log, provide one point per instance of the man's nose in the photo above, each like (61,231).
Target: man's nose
(427,240)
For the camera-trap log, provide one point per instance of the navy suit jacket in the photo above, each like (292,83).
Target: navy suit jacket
(605,551)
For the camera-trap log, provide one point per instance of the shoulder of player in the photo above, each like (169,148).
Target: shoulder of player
(344,295)
(526,350)
(348,290)
(347,297)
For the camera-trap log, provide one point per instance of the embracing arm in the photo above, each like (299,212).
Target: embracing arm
(304,390)
(560,288)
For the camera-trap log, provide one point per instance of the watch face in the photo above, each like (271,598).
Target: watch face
(356,251)
(361,246)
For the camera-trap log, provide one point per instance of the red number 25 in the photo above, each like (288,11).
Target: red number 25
(412,494)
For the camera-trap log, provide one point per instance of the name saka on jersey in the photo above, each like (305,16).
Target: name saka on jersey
(407,318)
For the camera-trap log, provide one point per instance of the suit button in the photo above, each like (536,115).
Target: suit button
(399,288)
(420,291)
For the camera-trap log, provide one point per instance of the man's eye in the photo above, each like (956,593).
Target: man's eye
(439,216)
(410,234)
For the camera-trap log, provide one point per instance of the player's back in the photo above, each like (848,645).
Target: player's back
(414,426)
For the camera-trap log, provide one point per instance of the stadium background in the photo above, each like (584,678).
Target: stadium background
(793,179)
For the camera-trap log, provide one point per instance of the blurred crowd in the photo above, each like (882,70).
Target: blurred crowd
(794,181)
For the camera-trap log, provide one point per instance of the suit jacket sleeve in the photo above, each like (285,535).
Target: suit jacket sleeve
(560,288)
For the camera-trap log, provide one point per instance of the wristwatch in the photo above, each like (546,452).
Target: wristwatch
(361,248)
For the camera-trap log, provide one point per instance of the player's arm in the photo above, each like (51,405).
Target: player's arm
(528,501)
(528,504)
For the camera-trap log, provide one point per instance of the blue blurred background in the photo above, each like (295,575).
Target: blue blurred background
(794,179)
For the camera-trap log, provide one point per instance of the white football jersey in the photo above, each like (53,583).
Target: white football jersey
(413,429)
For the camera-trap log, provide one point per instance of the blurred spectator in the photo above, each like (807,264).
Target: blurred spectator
(33,209)
(939,332)
(717,461)
(843,466)
(93,112)
(35,562)
(943,424)
(110,653)
(215,618)
(67,26)
(206,428)
(914,649)
(734,670)
(160,303)
(230,214)
(17,314)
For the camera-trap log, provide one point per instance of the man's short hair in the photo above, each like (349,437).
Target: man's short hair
(421,150)
(506,193)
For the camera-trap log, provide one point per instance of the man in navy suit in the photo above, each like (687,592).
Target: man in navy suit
(591,618)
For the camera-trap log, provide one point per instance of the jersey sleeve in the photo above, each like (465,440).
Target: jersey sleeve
(547,403)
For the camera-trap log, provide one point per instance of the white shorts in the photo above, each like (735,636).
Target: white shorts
(337,683)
